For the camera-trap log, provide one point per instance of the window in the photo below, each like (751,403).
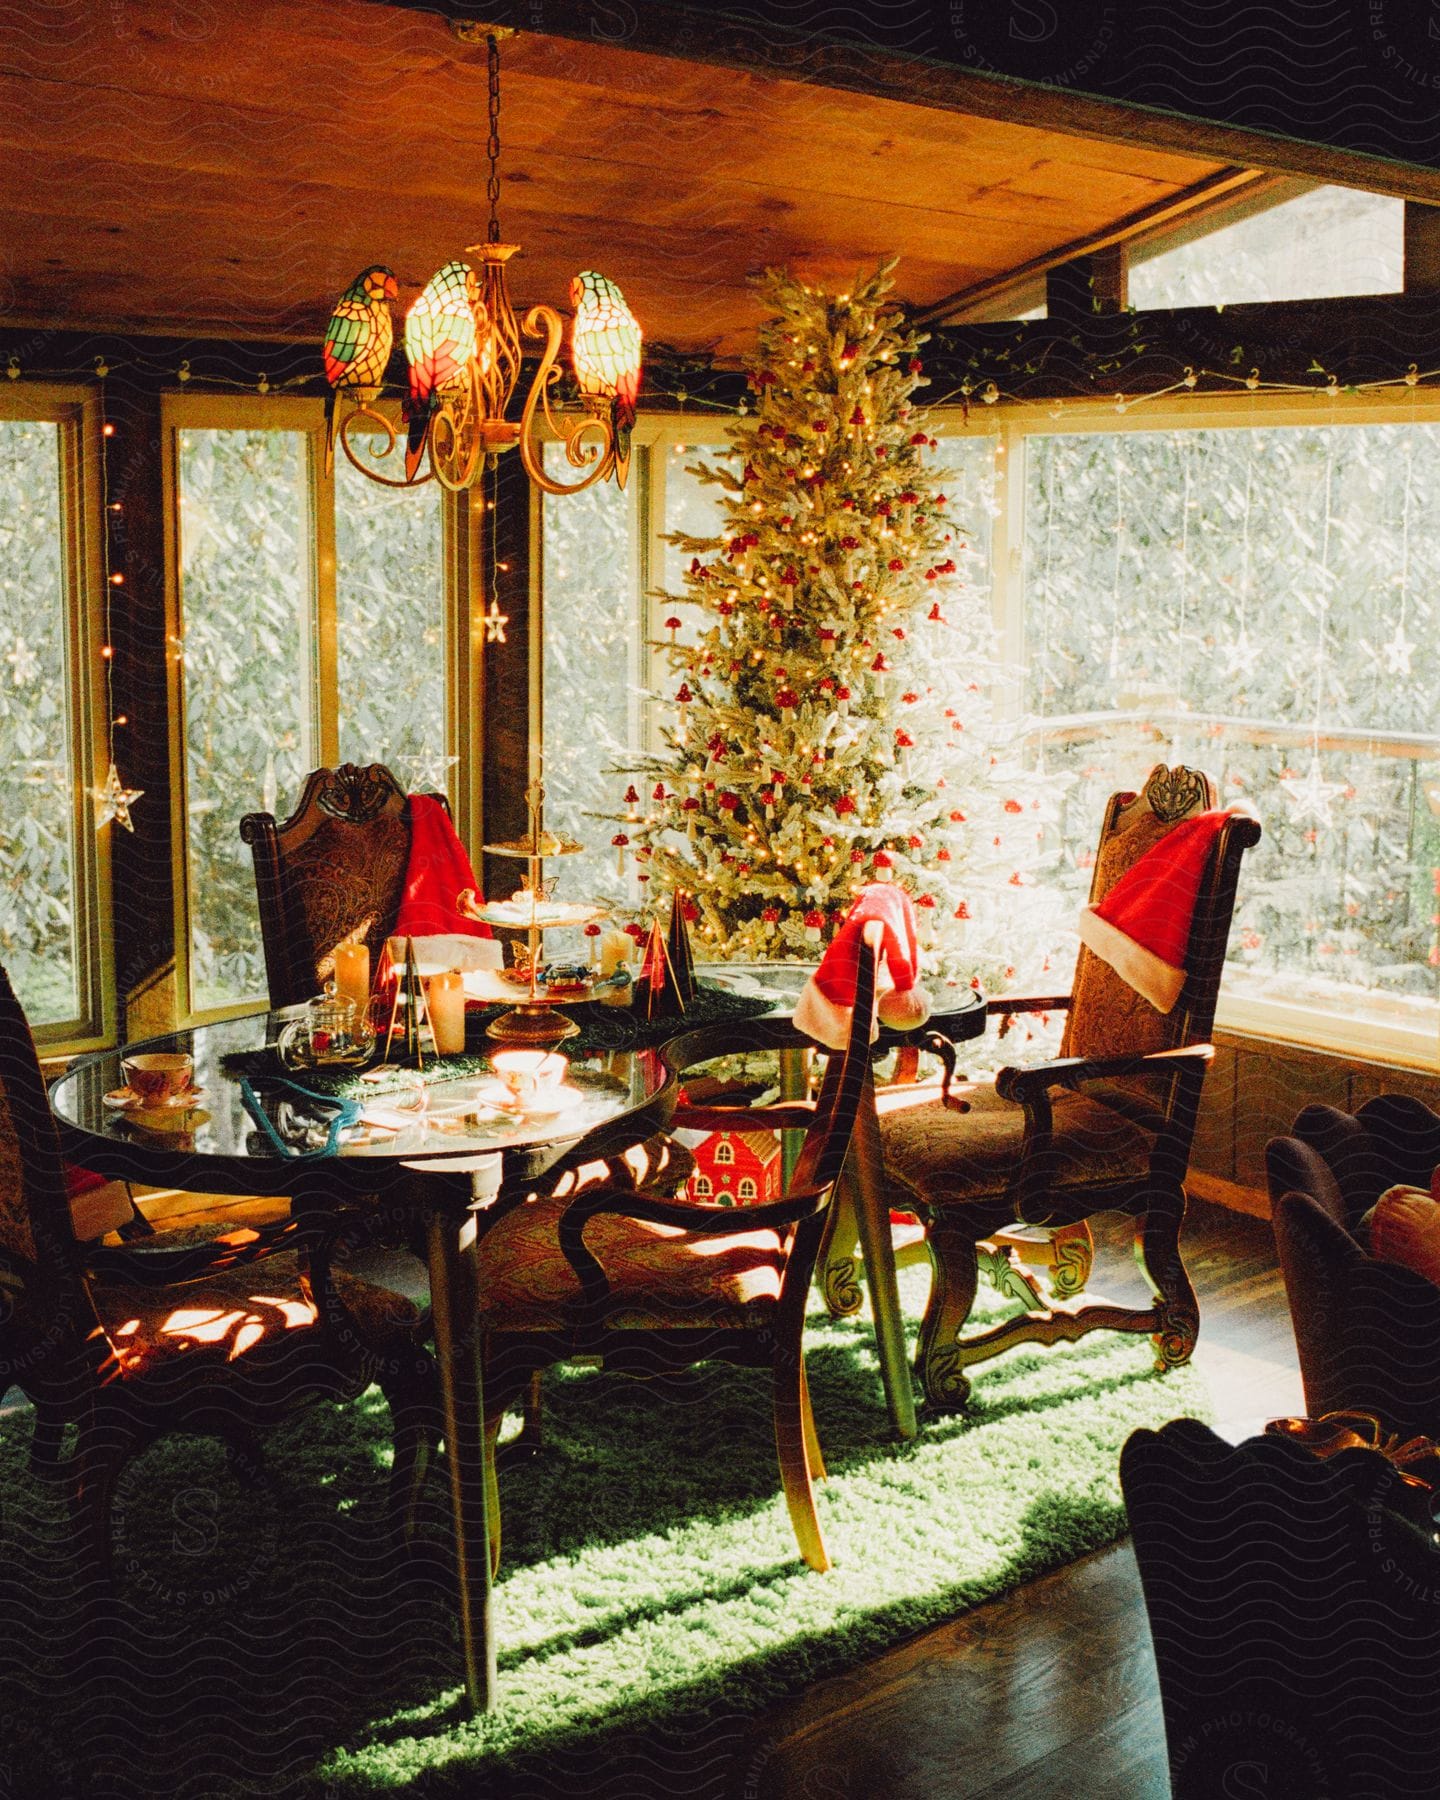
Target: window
(54,872)
(724,1151)
(602,553)
(701,1185)
(309,628)
(590,679)
(1245,585)
(1248,588)
(1329,241)
(747,1188)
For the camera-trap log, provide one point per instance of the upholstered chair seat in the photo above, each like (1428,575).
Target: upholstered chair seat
(949,1158)
(658,1274)
(254,1316)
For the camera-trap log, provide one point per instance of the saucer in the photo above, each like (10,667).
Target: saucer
(125,1099)
(550,1103)
(167,1121)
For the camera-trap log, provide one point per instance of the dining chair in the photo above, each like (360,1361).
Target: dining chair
(334,869)
(1008,1174)
(224,1338)
(651,1282)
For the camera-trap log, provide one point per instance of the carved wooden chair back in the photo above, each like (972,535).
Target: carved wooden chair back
(1107,1017)
(334,868)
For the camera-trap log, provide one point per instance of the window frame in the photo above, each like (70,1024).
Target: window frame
(76,410)
(462,650)
(1376,1039)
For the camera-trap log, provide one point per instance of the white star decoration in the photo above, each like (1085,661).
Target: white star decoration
(427,774)
(1240,654)
(495,623)
(114,801)
(1310,795)
(1397,653)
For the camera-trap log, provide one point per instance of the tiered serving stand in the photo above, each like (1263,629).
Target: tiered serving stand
(535,1019)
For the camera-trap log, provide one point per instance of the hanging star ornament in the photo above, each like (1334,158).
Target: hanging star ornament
(1310,795)
(1397,653)
(427,774)
(1240,655)
(114,801)
(495,623)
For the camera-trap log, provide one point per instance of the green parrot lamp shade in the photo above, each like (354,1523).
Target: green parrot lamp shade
(441,342)
(358,342)
(605,340)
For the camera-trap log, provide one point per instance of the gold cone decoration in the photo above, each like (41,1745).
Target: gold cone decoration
(657,992)
(682,957)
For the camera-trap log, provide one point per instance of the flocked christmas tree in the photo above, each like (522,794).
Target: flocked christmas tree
(829,723)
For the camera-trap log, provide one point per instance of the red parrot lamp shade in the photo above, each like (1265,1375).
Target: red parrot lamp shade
(605,340)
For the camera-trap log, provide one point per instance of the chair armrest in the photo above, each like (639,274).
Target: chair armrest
(1028,1085)
(691,1215)
(1018,1003)
(790,1115)
(197,1262)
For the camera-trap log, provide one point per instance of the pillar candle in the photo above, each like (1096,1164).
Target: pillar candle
(352,974)
(445,996)
(615,948)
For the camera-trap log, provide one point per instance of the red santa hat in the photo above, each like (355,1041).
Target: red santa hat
(825,1007)
(1142,926)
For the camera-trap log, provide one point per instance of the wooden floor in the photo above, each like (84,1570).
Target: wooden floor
(1050,1691)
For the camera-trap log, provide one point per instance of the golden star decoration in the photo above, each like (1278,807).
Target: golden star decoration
(113,801)
(495,623)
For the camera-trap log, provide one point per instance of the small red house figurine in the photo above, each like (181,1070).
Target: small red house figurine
(734,1168)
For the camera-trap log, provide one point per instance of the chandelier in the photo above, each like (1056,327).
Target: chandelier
(462,346)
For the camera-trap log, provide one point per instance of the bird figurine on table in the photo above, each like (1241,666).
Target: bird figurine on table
(440,345)
(358,342)
(605,339)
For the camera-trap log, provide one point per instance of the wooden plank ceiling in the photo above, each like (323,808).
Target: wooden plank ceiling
(225,171)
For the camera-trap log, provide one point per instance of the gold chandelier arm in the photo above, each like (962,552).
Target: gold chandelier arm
(362,410)
(597,458)
(455,446)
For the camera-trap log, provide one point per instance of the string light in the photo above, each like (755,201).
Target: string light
(112,798)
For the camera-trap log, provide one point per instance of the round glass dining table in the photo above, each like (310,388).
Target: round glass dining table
(217,1145)
(426,1159)
(429,1165)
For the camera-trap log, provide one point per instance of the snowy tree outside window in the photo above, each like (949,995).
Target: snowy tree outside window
(39,941)
(252,688)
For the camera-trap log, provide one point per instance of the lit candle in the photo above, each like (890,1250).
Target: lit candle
(445,996)
(352,974)
(615,948)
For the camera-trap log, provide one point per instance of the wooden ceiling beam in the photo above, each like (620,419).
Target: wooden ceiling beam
(691,32)
(1215,193)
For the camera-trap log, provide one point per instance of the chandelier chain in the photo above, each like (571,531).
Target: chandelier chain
(492,147)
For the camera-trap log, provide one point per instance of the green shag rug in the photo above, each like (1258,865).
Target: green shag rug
(651,1599)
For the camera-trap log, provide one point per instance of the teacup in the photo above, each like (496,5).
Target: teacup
(159,1077)
(534,1077)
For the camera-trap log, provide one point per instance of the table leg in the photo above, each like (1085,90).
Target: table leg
(451,1238)
(865,1169)
(794,1085)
